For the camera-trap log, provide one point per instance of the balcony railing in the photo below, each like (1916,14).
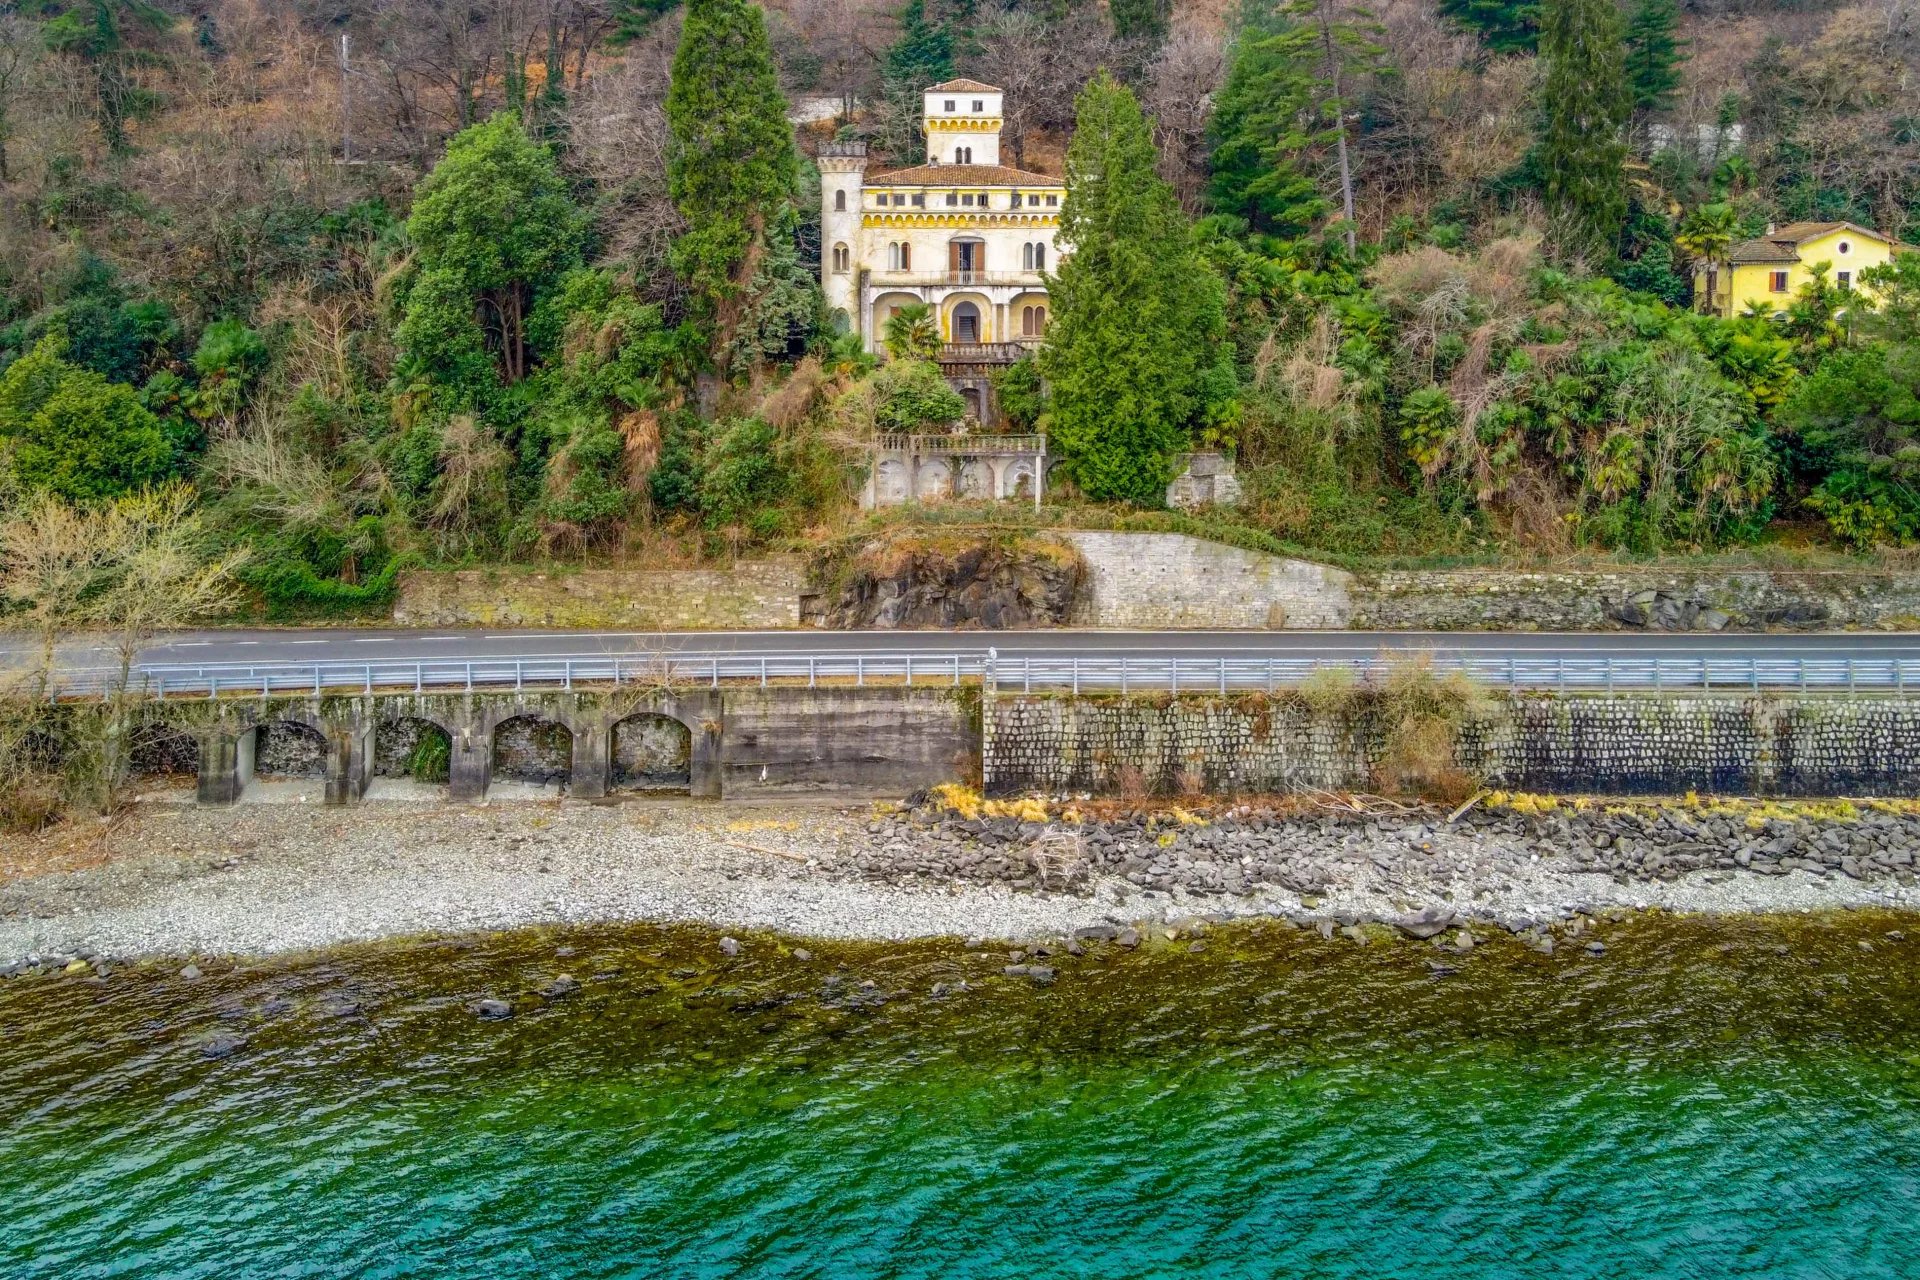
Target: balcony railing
(970,444)
(943,279)
(986,352)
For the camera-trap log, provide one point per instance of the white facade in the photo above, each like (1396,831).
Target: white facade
(963,233)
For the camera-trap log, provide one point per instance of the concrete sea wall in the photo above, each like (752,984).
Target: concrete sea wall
(1610,744)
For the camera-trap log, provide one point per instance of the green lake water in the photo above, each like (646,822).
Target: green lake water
(1705,1099)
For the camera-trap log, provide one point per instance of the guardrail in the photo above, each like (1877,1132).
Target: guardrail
(1105,674)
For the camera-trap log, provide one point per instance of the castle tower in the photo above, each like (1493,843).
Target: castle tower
(843,167)
(963,120)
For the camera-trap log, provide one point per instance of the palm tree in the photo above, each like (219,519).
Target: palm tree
(912,333)
(1706,234)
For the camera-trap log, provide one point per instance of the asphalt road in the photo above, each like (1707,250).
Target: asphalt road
(265,647)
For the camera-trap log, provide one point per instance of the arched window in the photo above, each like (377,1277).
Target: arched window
(1033,322)
(842,259)
(1040,256)
(963,155)
(839,202)
(1026,257)
(906,256)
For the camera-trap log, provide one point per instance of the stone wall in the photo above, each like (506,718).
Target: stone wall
(1633,599)
(1155,580)
(1811,745)
(750,595)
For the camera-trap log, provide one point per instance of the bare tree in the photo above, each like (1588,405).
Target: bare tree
(1181,82)
(1016,53)
(20,46)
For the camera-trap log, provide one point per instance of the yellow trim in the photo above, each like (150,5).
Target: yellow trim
(963,124)
(992,218)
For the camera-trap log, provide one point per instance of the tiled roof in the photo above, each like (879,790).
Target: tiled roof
(1801,231)
(1764,250)
(963,86)
(962,175)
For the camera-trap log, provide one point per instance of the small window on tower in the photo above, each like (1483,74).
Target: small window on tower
(967,199)
(1053,202)
(949,106)
(979,105)
(899,202)
(839,202)
(1033,202)
(919,199)
(952,199)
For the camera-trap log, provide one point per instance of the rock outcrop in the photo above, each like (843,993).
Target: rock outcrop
(964,581)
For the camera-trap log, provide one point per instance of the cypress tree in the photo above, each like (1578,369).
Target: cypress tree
(731,163)
(1583,150)
(921,57)
(1654,55)
(1135,354)
(1255,134)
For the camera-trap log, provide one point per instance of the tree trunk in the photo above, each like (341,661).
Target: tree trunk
(1340,122)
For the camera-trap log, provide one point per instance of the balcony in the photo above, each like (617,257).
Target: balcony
(986,352)
(944,279)
(962,443)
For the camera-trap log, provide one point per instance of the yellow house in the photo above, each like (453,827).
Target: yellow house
(1770,270)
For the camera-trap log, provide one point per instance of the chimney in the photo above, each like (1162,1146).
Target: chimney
(1771,228)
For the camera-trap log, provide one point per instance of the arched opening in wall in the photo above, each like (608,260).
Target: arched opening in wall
(966,323)
(1033,322)
(963,155)
(1019,480)
(289,763)
(842,259)
(972,396)
(411,759)
(162,757)
(840,321)
(839,202)
(652,754)
(536,752)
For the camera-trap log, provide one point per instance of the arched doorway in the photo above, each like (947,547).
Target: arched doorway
(527,749)
(966,323)
(652,753)
(972,396)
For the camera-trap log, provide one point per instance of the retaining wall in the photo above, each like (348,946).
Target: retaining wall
(1155,580)
(750,595)
(1810,745)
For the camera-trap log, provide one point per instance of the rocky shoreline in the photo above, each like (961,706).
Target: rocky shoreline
(192,883)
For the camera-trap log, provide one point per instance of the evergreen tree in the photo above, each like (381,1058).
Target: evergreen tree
(1583,151)
(1503,26)
(1254,135)
(1654,55)
(493,227)
(634,18)
(1135,354)
(1140,19)
(731,164)
(921,57)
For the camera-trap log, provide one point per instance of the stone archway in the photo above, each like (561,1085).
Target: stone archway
(934,480)
(892,483)
(976,481)
(158,750)
(967,324)
(1017,482)
(533,750)
(651,753)
(412,749)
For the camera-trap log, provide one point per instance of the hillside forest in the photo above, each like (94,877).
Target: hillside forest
(371,285)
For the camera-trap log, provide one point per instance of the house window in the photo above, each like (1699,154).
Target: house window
(906,256)
(949,106)
(1845,279)
(979,105)
(900,256)
(952,199)
(1033,202)
(1777,281)
(899,202)
(919,199)
(842,259)
(1034,257)
(1053,202)
(983,199)
(967,199)
(963,155)
(1033,321)
(1845,247)
(839,202)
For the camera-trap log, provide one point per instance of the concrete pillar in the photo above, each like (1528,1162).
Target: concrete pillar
(703,755)
(349,759)
(1766,747)
(226,763)
(591,769)
(469,759)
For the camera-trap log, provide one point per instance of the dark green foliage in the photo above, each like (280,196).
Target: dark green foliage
(1140,19)
(432,755)
(731,163)
(1503,26)
(493,226)
(102,329)
(1135,355)
(1654,55)
(910,395)
(70,431)
(745,479)
(1255,135)
(1582,152)
(674,484)
(1022,393)
(1856,421)
(784,307)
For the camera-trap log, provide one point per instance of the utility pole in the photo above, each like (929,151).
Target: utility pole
(346,98)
